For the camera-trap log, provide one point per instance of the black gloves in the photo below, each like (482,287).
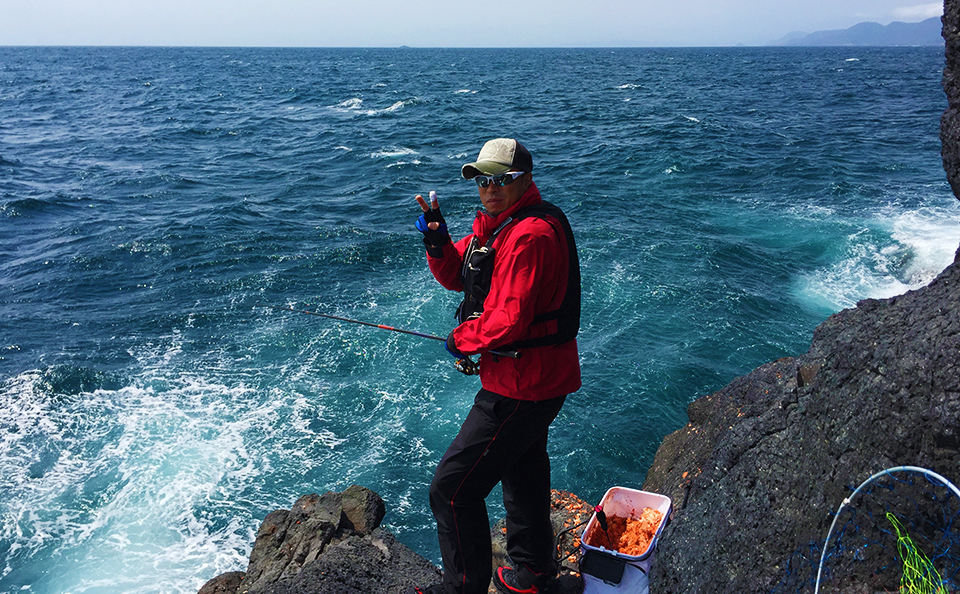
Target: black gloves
(434,239)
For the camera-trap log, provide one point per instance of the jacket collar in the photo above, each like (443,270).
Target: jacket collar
(484,225)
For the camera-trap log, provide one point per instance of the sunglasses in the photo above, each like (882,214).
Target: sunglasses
(504,179)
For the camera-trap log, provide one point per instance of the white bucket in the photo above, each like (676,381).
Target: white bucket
(608,571)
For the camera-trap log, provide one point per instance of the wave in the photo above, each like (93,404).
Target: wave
(164,475)
(354,106)
(393,152)
(116,478)
(890,255)
(397,153)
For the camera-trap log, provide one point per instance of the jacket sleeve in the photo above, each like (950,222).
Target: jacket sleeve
(526,281)
(446,269)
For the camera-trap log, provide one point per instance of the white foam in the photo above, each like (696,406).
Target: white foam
(353,103)
(896,252)
(393,152)
(111,480)
(931,236)
(353,107)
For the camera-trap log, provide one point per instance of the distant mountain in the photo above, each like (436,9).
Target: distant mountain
(923,33)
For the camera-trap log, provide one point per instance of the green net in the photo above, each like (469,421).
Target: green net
(919,574)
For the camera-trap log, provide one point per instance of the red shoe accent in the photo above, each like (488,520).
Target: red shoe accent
(503,582)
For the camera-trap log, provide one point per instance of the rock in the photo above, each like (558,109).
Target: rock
(762,464)
(363,509)
(374,562)
(223,584)
(333,544)
(327,543)
(287,540)
(950,120)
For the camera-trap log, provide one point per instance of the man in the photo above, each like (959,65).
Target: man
(521,281)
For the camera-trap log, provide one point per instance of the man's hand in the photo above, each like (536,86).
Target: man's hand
(464,363)
(432,224)
(451,347)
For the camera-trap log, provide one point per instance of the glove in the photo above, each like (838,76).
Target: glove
(451,347)
(464,364)
(433,238)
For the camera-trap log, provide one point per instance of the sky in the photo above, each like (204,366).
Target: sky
(437,23)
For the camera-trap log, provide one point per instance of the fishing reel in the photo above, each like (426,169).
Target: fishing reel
(466,366)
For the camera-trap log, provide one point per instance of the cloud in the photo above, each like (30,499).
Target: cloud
(919,12)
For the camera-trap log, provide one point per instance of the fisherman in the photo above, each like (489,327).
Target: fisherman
(520,277)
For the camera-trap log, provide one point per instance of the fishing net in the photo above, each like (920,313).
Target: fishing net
(897,532)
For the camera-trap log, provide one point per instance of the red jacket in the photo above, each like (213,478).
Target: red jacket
(529,278)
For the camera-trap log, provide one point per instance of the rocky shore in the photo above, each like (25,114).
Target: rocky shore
(333,544)
(754,475)
(763,463)
(326,544)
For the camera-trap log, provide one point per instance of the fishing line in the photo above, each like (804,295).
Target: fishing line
(466,365)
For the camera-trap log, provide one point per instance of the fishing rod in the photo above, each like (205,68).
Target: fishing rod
(465,365)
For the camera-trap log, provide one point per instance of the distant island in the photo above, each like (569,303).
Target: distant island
(923,33)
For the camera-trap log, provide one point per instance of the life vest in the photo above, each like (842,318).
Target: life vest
(476,274)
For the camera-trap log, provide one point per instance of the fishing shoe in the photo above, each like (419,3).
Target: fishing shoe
(524,580)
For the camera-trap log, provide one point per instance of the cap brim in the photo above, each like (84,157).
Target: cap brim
(472,170)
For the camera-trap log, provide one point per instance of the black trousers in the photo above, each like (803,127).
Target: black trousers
(502,440)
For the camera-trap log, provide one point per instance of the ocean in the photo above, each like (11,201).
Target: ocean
(154,202)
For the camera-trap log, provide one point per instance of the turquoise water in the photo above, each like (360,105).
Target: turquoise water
(725,201)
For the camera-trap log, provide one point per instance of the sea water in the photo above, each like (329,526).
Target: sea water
(154,200)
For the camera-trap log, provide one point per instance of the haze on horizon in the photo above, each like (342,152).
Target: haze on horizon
(436,23)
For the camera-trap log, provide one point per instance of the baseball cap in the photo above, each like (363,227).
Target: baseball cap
(499,156)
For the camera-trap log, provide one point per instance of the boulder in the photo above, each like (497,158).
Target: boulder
(374,562)
(327,543)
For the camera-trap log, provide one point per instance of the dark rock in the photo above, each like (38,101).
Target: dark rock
(950,120)
(374,562)
(363,509)
(226,583)
(327,543)
(762,464)
(287,540)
